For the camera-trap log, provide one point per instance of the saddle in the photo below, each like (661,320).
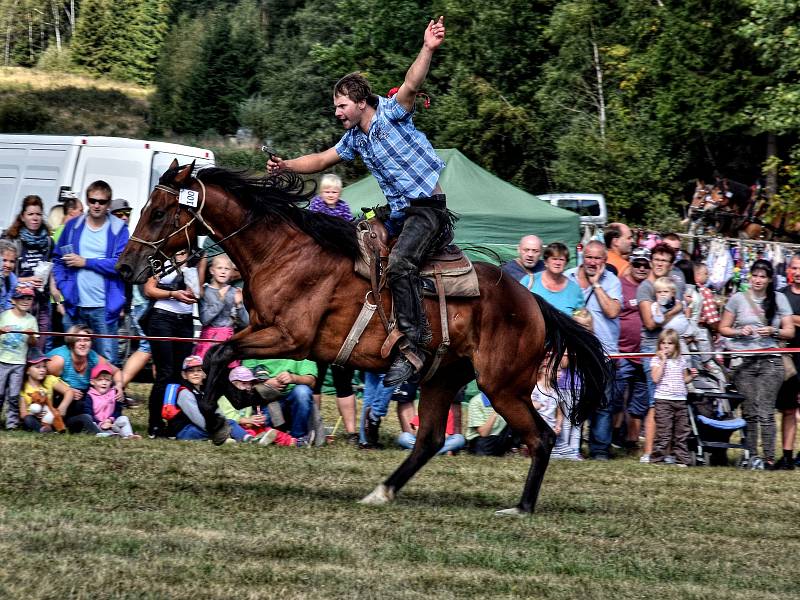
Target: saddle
(450,263)
(448,273)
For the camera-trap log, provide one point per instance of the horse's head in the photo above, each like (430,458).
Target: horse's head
(166,226)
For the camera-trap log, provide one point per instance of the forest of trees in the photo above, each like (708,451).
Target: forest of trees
(631,98)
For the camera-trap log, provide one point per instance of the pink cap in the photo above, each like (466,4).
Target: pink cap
(101,368)
(192,361)
(241,374)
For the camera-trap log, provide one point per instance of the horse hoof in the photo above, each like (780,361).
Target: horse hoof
(221,435)
(379,496)
(511,512)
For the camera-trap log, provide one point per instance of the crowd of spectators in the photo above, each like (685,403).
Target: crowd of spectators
(635,300)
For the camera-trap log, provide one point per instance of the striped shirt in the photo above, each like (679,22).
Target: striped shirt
(398,156)
(672,385)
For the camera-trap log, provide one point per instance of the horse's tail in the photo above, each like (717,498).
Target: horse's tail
(590,367)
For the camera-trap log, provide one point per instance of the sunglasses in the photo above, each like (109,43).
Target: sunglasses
(641,265)
(100,201)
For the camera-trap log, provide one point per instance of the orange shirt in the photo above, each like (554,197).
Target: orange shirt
(619,262)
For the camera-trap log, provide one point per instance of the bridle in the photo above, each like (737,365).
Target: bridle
(157,265)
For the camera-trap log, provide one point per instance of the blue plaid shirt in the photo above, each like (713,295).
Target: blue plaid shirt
(400,157)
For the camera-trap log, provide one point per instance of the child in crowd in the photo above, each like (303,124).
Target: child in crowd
(545,400)
(453,442)
(14,350)
(37,391)
(8,280)
(101,404)
(329,201)
(670,374)
(249,419)
(219,303)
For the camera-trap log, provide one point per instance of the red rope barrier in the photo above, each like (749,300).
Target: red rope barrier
(119,337)
(196,340)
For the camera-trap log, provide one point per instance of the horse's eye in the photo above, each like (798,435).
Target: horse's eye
(158,214)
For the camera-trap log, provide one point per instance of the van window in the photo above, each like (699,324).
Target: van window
(584,207)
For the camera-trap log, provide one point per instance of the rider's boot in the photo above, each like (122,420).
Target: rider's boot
(408,314)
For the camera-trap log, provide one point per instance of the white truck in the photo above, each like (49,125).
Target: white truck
(50,165)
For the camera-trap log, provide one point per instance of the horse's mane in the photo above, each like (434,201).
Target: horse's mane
(282,198)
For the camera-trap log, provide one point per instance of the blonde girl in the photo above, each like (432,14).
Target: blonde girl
(219,303)
(670,374)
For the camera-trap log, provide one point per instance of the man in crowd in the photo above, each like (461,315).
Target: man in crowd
(84,260)
(528,260)
(787,401)
(630,377)
(663,257)
(293,381)
(619,243)
(401,158)
(602,294)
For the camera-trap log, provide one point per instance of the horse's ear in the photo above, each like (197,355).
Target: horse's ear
(184,174)
(174,163)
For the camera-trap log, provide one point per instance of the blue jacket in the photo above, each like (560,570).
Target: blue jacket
(67,277)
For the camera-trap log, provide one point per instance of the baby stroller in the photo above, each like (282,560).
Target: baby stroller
(713,422)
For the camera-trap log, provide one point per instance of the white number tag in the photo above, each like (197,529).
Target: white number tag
(188,198)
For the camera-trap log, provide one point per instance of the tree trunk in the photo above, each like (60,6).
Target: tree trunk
(772,173)
(601,102)
(56,24)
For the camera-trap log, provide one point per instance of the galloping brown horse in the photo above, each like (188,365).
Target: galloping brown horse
(303,297)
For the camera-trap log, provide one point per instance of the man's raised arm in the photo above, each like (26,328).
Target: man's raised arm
(433,38)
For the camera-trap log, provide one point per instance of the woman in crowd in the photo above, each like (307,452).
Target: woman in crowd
(73,363)
(170,316)
(758,319)
(31,236)
(552,285)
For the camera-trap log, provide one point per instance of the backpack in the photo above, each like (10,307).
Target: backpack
(169,407)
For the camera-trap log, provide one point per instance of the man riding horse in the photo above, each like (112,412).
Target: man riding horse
(403,161)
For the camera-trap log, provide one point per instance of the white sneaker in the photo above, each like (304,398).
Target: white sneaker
(644,458)
(266,438)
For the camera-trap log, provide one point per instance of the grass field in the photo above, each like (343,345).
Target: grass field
(82,517)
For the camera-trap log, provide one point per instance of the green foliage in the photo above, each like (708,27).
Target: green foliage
(53,61)
(207,69)
(120,39)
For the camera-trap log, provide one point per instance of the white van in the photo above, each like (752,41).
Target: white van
(48,165)
(590,207)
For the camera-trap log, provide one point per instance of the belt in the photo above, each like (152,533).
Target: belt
(434,201)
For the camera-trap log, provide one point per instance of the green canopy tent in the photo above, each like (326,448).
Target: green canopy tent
(493,213)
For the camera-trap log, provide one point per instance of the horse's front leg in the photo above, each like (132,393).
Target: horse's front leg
(263,343)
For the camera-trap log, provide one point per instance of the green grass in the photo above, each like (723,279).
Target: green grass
(95,518)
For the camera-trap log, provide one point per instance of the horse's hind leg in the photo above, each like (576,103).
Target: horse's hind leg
(435,399)
(518,411)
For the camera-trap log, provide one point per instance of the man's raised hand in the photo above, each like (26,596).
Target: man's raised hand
(434,34)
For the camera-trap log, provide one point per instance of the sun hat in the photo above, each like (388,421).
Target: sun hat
(241,374)
(35,356)
(101,368)
(191,361)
